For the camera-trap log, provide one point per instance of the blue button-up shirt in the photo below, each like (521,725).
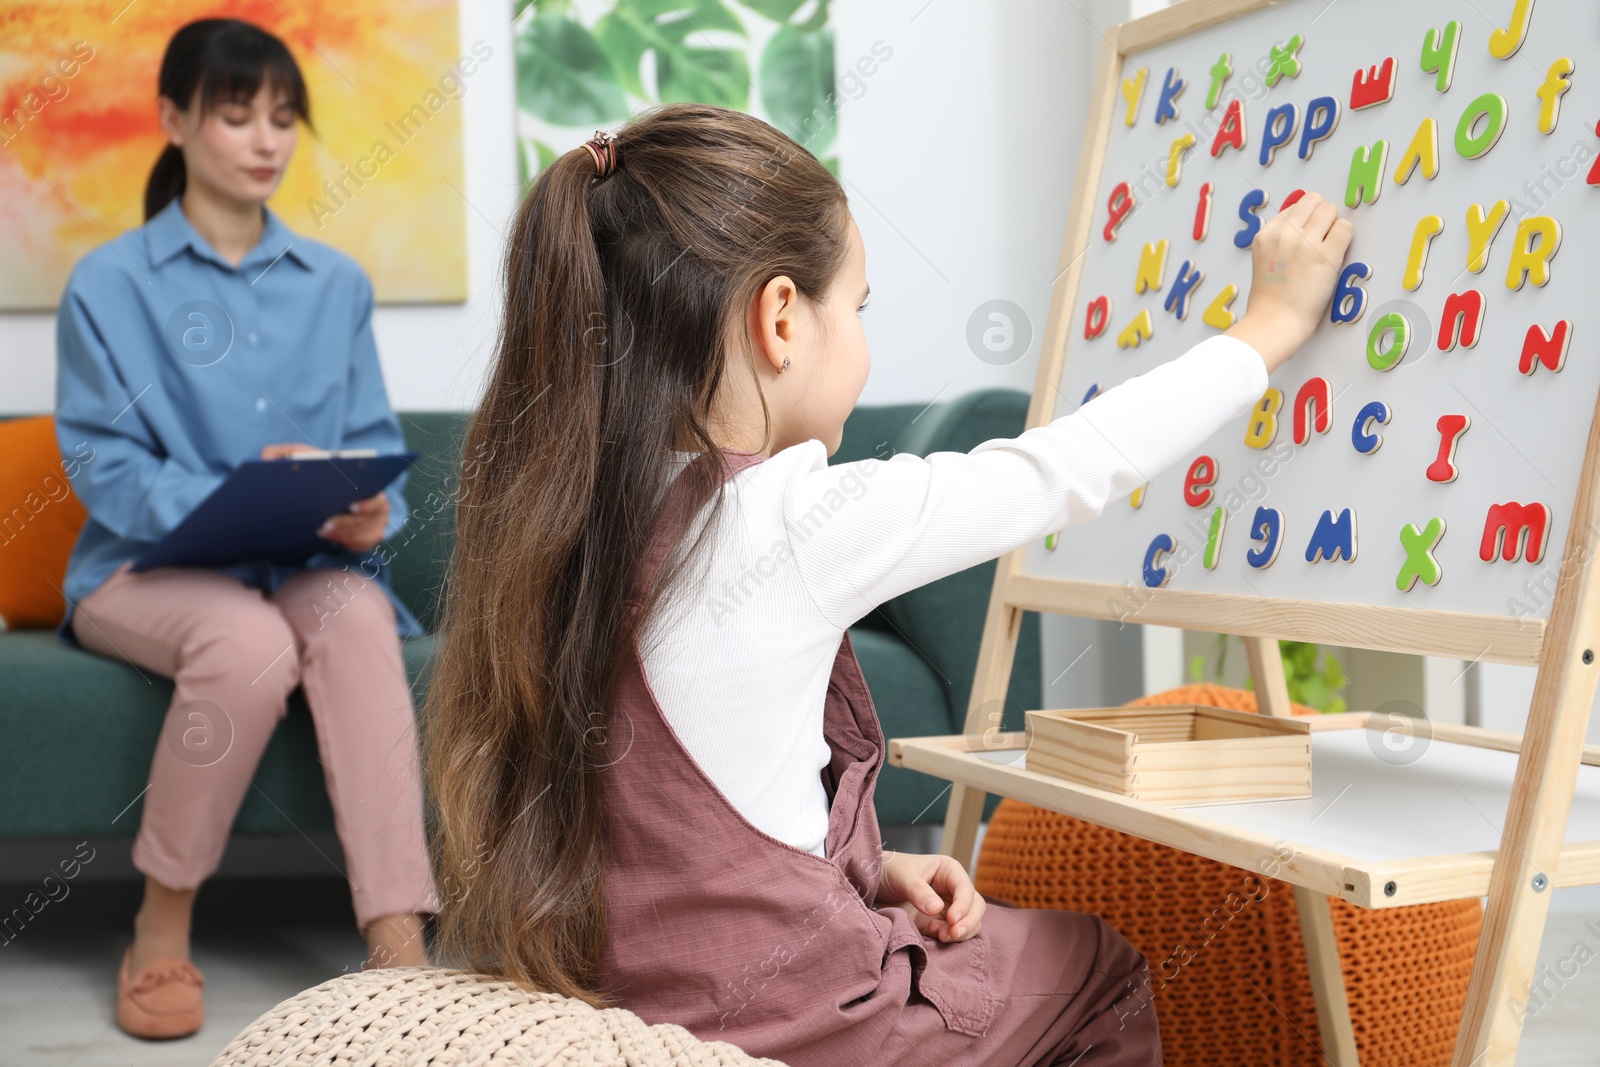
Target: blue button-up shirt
(174,366)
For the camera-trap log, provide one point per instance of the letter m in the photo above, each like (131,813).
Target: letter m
(1513,530)
(1333,538)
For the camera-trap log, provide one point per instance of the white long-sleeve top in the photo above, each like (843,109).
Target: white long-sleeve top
(739,657)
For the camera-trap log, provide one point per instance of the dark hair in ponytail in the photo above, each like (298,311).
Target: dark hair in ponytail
(626,297)
(218,59)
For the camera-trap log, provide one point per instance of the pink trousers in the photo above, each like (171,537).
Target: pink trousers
(234,655)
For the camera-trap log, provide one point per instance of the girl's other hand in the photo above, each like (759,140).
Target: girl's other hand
(1295,264)
(362,528)
(935,891)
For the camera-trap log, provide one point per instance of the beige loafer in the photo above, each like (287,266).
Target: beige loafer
(162,1000)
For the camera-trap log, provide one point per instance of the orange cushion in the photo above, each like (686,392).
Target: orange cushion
(39,521)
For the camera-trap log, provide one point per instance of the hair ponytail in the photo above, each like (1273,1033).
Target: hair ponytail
(210,60)
(167,180)
(625,300)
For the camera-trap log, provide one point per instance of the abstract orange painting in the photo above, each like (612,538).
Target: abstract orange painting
(380,179)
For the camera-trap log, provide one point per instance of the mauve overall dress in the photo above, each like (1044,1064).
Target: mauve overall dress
(740,937)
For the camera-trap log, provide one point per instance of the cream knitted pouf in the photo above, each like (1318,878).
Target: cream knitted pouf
(430,1017)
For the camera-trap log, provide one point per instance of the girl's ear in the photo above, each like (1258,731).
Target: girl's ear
(171,118)
(775,321)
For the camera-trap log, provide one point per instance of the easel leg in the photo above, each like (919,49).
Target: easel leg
(988,700)
(1316,918)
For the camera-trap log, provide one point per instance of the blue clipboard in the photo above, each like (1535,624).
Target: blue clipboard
(269,509)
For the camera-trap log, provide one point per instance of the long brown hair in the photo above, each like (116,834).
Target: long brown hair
(625,297)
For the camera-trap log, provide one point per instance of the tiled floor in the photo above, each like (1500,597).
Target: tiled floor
(261,941)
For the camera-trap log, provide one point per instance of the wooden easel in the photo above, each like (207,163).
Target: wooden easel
(1532,859)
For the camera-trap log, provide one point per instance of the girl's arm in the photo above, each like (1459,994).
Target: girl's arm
(130,487)
(863,533)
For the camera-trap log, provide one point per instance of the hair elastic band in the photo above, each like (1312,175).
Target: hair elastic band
(602,147)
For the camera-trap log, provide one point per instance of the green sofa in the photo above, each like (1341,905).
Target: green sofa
(79,729)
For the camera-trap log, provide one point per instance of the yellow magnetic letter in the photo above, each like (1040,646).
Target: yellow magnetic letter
(1538,241)
(1503,44)
(1423,151)
(1133,92)
(1152,268)
(1220,313)
(1556,84)
(1175,158)
(1481,232)
(1428,227)
(1264,419)
(1139,331)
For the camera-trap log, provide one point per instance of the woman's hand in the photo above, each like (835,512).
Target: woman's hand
(935,891)
(362,528)
(1295,264)
(280,451)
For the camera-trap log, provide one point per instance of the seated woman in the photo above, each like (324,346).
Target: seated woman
(211,335)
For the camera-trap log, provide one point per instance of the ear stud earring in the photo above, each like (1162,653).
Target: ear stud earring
(785,365)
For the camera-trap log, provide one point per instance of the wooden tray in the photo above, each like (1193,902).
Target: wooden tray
(1182,754)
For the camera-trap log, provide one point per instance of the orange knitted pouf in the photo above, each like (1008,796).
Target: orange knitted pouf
(1227,963)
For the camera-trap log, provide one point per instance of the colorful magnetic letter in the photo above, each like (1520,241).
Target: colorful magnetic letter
(1361,436)
(1423,151)
(1133,92)
(1594,171)
(1152,267)
(1140,330)
(1092,392)
(1175,158)
(1322,118)
(1503,44)
(1419,545)
(1334,538)
(1266,527)
(1098,318)
(1538,241)
(1213,553)
(1050,541)
(1513,530)
(1481,126)
(1182,291)
(1171,88)
(1136,498)
(1366,174)
(1556,83)
(1156,573)
(1294,197)
(1263,426)
(1253,201)
(1462,320)
(1373,87)
(1439,54)
(1350,299)
(1388,341)
(1451,427)
(1218,312)
(1202,213)
(1481,232)
(1284,61)
(1120,204)
(1281,123)
(1220,73)
(1313,409)
(1547,348)
(1198,482)
(1232,131)
(1428,227)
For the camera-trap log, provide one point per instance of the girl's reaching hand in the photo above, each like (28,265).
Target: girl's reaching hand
(935,891)
(1295,263)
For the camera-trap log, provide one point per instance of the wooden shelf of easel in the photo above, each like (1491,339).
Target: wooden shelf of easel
(1440,816)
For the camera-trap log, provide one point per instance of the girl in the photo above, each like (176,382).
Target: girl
(195,342)
(675,784)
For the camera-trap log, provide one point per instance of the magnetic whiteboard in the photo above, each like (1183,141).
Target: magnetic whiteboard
(1527,433)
